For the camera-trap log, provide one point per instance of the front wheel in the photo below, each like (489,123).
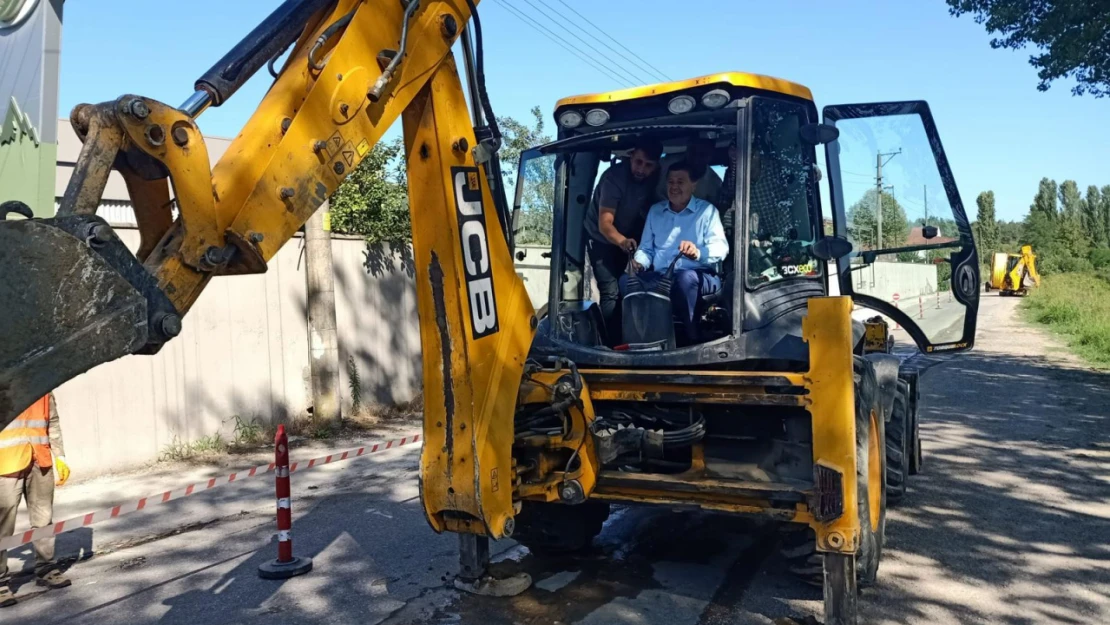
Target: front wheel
(870,476)
(799,543)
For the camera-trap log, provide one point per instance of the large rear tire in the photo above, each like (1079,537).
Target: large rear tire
(899,445)
(553,528)
(799,545)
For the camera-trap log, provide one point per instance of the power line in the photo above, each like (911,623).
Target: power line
(615,64)
(560,41)
(856,173)
(649,68)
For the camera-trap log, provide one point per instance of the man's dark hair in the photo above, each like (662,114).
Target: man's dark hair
(688,168)
(651,149)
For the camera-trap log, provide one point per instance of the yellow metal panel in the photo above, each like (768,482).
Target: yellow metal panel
(736,79)
(472,361)
(702,377)
(998,270)
(172,138)
(828,329)
(875,334)
(313,175)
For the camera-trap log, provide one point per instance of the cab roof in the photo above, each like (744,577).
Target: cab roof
(736,79)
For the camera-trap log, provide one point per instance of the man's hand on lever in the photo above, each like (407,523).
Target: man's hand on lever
(628,245)
(689,250)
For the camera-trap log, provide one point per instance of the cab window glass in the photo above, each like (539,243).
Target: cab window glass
(780,225)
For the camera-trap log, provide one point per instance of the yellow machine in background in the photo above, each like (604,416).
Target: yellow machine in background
(1014,274)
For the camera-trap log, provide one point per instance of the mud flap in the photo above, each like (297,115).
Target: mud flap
(64,308)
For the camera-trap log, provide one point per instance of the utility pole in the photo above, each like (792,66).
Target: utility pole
(879,162)
(323,340)
(925,196)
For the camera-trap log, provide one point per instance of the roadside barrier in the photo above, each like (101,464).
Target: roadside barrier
(144,503)
(286,565)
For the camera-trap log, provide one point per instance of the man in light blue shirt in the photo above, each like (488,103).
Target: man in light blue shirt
(689,228)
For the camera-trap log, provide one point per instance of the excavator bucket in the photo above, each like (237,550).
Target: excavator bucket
(64,308)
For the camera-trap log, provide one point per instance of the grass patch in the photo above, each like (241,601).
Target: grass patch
(204,446)
(1077,306)
(252,435)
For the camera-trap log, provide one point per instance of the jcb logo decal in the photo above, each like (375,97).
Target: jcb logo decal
(475,250)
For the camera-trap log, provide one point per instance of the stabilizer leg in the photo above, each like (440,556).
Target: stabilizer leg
(840,589)
(474,576)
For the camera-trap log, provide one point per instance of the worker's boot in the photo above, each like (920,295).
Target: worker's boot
(7,599)
(53,580)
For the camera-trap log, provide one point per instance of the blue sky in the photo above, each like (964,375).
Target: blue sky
(1000,133)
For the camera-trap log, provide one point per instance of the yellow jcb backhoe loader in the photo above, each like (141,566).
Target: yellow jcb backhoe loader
(1014,274)
(533,425)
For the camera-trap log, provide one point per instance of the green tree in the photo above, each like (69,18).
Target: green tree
(1072,235)
(373,200)
(1009,235)
(1070,37)
(1045,200)
(517,137)
(1041,226)
(987,234)
(1104,212)
(532,224)
(1092,217)
(863,227)
(1040,231)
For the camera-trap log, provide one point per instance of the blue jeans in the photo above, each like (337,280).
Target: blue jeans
(688,285)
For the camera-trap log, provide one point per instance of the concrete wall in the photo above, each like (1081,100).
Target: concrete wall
(244,351)
(884,279)
(535,270)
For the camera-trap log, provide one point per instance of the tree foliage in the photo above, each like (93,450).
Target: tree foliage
(1071,233)
(1068,231)
(1092,217)
(1104,213)
(1071,37)
(532,225)
(863,227)
(373,200)
(986,232)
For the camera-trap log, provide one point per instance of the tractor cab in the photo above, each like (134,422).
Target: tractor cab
(797,225)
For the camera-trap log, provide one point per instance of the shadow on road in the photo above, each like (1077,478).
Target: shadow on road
(1011,521)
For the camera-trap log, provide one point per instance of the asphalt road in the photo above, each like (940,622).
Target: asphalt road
(1010,524)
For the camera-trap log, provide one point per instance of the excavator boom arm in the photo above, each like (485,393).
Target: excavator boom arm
(80,298)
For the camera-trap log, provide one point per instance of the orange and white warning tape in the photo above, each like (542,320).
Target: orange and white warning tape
(91,518)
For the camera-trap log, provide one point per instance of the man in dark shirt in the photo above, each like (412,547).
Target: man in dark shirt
(614,221)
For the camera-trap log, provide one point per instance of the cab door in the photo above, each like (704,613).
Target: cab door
(895,199)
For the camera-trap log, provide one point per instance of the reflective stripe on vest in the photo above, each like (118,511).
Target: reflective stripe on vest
(27,439)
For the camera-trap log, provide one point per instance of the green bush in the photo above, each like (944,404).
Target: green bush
(1100,258)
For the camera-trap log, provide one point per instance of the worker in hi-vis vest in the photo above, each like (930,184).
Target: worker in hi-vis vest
(31,455)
